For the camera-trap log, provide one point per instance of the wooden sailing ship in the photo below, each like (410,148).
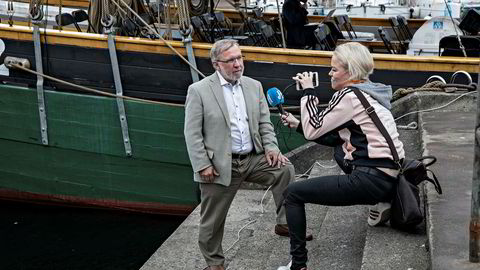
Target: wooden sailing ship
(64,144)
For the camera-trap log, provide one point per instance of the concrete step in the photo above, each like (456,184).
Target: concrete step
(343,240)
(387,248)
(339,242)
(340,235)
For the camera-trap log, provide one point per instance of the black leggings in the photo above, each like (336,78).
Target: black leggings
(335,190)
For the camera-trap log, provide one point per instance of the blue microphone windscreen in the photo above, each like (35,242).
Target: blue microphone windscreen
(275,96)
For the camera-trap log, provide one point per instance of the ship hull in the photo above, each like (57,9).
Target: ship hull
(85,162)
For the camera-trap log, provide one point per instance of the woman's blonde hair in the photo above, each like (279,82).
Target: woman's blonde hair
(356,59)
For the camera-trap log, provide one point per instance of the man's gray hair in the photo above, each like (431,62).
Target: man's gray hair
(220,46)
(356,59)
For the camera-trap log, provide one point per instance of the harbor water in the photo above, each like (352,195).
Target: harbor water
(41,237)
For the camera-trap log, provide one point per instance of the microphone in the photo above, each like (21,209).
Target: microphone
(275,98)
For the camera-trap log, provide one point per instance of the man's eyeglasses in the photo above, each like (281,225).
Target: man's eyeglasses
(231,60)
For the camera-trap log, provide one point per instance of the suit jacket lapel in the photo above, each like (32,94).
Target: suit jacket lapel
(248,95)
(218,93)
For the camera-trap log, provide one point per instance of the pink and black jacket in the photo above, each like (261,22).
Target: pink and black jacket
(346,122)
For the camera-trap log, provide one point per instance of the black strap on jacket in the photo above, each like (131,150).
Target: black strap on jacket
(373,115)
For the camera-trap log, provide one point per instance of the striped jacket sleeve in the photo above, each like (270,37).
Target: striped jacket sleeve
(317,123)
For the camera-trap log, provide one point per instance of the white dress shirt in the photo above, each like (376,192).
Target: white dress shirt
(237,110)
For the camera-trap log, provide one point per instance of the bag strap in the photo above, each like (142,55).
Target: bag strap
(432,160)
(373,115)
(434,181)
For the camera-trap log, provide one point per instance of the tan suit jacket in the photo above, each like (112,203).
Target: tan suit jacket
(207,125)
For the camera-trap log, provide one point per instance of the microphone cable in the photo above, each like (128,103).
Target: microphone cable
(279,124)
(285,90)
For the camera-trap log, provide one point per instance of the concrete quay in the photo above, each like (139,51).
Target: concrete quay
(342,238)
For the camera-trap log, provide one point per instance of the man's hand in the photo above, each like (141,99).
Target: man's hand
(208,174)
(276,159)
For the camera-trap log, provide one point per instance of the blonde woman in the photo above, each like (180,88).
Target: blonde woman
(360,149)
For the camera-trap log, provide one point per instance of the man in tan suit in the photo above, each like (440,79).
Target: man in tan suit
(230,139)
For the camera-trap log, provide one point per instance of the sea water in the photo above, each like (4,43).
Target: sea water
(51,237)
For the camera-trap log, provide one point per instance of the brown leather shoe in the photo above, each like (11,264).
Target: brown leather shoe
(282,230)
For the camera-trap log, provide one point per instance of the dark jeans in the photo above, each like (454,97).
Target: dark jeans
(334,190)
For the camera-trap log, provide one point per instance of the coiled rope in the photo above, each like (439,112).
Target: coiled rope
(435,86)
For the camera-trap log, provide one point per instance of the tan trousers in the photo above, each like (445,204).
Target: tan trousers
(216,200)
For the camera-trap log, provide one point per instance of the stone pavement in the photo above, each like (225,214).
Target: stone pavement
(342,238)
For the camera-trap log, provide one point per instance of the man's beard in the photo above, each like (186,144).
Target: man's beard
(234,76)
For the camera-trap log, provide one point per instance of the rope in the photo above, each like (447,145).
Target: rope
(101,9)
(96,10)
(435,86)
(60,15)
(34,7)
(183,15)
(160,37)
(10,12)
(166,10)
(449,9)
(436,108)
(105,11)
(91,90)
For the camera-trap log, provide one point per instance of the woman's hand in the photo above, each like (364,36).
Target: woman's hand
(305,79)
(289,120)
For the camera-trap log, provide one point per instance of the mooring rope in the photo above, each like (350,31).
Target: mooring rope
(435,86)
(91,90)
(107,94)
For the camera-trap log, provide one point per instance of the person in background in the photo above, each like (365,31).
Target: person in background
(230,139)
(360,149)
(294,13)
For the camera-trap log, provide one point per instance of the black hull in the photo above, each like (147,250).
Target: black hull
(165,77)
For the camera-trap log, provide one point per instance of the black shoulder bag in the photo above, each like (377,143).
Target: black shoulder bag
(406,212)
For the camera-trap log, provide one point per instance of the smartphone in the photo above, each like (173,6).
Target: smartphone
(314,79)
